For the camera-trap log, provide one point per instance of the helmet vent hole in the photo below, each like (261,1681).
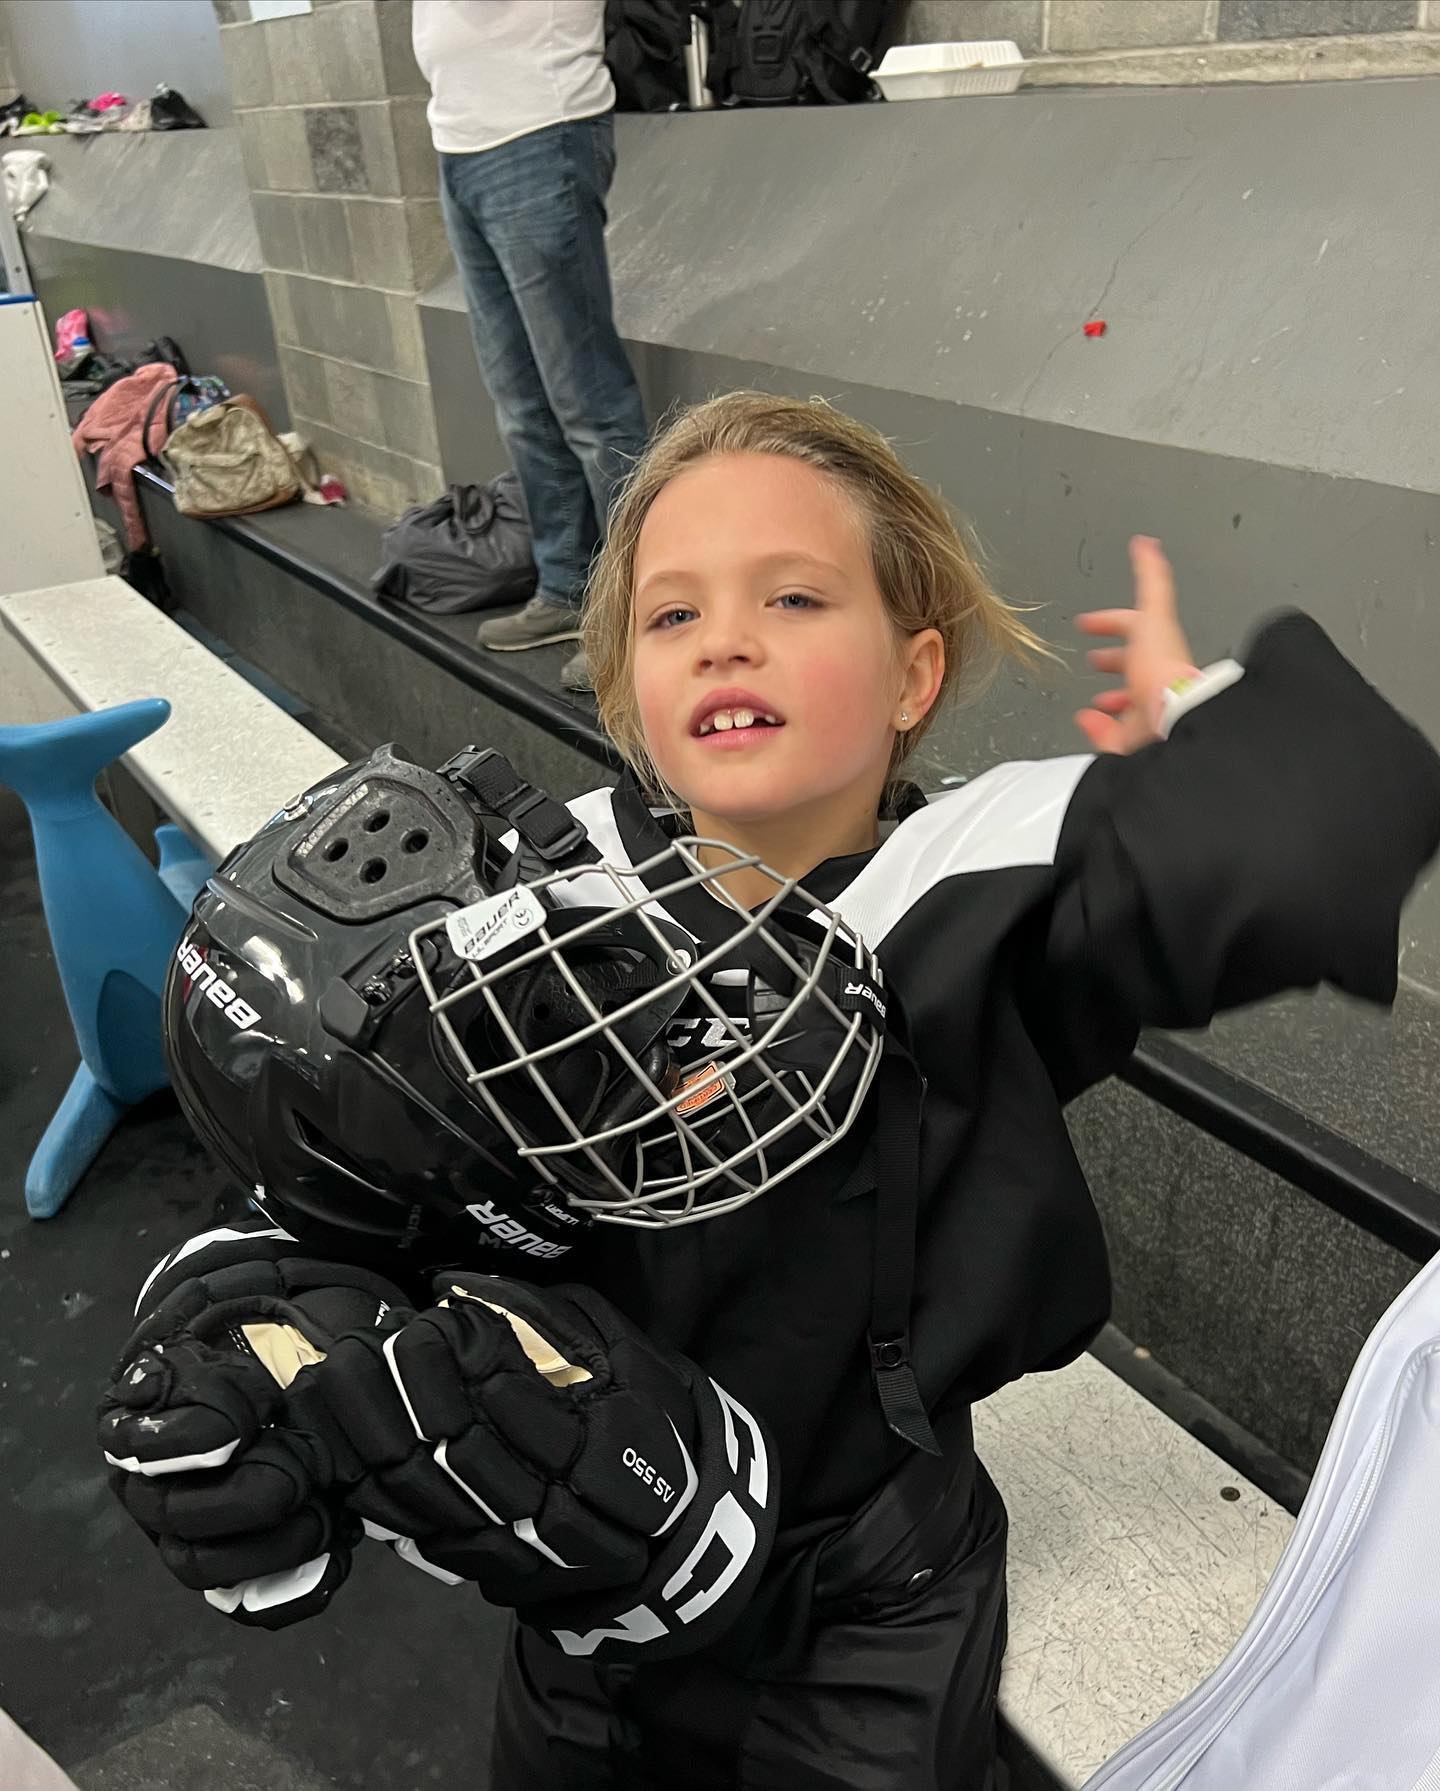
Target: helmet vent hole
(416,841)
(373,870)
(336,850)
(378,822)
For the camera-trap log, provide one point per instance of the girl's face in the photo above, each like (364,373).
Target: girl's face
(768,675)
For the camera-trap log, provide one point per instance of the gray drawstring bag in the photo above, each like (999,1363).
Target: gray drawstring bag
(467,550)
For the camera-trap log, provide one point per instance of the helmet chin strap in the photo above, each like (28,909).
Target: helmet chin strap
(550,837)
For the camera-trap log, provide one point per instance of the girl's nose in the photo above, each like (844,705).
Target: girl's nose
(727,640)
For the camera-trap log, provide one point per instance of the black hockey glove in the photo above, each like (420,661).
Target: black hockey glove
(243,1503)
(533,1441)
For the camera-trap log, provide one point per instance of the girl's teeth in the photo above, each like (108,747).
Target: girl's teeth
(723,720)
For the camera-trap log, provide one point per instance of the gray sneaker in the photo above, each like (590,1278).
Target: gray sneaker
(575,673)
(540,624)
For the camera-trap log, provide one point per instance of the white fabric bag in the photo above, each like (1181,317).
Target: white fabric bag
(27,180)
(1335,1683)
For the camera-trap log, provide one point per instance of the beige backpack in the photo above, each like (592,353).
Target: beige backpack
(226,461)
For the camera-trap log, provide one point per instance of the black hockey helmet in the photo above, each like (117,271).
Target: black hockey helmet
(418,1001)
(297,1037)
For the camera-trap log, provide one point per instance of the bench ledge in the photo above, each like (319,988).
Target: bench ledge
(226,759)
(1136,1559)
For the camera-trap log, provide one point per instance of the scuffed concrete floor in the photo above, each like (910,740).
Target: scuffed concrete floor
(132,1683)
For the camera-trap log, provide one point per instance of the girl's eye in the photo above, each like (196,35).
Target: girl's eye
(796,600)
(671,618)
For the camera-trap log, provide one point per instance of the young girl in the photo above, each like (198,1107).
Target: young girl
(777,614)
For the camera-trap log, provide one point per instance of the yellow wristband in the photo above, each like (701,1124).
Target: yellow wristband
(1192,688)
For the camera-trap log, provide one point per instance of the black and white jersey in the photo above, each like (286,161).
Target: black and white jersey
(1030,923)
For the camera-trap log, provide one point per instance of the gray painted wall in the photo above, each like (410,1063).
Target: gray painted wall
(63,50)
(1266,260)
(220,318)
(177,194)
(187,267)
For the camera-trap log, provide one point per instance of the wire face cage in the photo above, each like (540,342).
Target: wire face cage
(651,1078)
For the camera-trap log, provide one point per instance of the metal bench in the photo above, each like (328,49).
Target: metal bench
(1136,1558)
(226,759)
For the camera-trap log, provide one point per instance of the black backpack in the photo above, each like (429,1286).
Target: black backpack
(806,52)
(645,43)
(467,550)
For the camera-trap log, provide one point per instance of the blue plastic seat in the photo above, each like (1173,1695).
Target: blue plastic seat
(114,920)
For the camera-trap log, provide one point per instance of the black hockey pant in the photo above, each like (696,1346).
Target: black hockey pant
(892,1687)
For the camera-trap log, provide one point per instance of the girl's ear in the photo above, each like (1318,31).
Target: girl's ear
(924,671)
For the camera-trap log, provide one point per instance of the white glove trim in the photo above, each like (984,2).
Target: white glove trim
(409,1550)
(759,1460)
(692,1479)
(223,1234)
(270,1589)
(524,1528)
(180,1464)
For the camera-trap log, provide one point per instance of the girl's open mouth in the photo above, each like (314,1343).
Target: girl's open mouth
(734,713)
(737,721)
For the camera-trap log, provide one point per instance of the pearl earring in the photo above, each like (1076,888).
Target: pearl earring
(904,716)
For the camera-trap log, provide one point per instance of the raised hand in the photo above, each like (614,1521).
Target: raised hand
(1153,656)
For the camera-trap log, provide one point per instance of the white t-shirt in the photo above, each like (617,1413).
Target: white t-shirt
(499,69)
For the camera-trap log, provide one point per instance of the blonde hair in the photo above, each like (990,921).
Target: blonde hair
(929,574)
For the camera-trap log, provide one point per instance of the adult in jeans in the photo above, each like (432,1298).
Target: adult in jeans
(521,117)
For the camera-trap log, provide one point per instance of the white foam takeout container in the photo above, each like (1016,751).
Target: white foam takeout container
(943,71)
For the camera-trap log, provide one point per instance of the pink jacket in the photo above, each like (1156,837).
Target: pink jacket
(111,429)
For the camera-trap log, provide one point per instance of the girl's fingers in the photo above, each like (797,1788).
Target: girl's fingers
(1107,659)
(1107,621)
(1101,731)
(1154,578)
(1112,702)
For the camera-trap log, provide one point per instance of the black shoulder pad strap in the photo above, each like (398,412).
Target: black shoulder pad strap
(550,836)
(897,1213)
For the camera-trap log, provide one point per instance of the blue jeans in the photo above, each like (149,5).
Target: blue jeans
(527,224)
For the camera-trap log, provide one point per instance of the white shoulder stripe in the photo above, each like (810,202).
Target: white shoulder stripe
(595,810)
(1008,817)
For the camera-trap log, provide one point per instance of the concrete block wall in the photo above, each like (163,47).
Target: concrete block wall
(9,83)
(331,112)
(1245,31)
